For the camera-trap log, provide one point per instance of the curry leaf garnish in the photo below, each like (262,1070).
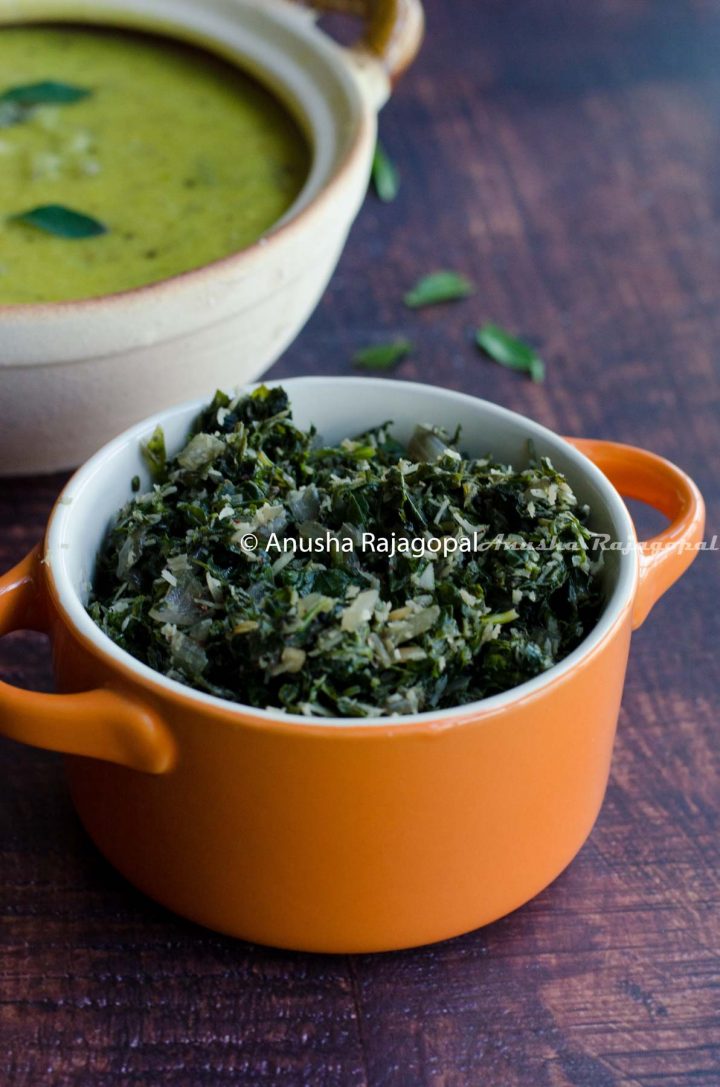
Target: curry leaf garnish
(382,356)
(60,221)
(509,351)
(47,92)
(438,287)
(385,176)
(17,104)
(246,572)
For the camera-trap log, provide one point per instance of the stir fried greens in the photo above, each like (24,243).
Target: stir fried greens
(349,580)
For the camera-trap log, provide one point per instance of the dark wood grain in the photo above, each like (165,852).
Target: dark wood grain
(567,157)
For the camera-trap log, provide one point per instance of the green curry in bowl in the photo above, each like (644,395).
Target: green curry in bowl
(128,158)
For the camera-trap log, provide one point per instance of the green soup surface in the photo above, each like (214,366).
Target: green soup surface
(181,157)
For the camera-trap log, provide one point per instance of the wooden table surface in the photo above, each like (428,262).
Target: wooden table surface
(566,156)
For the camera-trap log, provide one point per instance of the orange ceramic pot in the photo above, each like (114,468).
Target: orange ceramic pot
(334,835)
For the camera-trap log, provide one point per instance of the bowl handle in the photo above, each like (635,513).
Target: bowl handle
(636,473)
(102,724)
(393,35)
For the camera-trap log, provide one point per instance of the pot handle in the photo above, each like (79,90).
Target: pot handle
(393,35)
(636,473)
(101,724)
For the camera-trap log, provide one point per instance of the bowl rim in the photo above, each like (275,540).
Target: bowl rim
(73,613)
(304,28)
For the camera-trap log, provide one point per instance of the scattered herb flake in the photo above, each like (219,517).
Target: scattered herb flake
(382,356)
(10,114)
(438,287)
(509,351)
(154,454)
(60,221)
(314,621)
(385,176)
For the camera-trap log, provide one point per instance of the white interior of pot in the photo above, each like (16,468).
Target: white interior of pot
(339,407)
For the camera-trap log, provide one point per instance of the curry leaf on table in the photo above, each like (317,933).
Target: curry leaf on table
(443,286)
(385,176)
(382,356)
(61,221)
(509,351)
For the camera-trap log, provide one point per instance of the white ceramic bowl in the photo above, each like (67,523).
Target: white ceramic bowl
(73,374)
